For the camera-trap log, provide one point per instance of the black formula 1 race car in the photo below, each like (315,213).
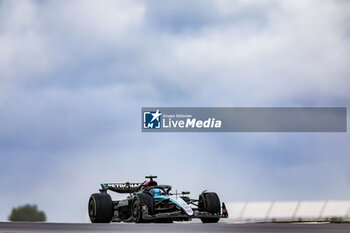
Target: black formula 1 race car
(150,202)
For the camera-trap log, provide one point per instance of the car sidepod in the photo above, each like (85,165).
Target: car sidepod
(179,202)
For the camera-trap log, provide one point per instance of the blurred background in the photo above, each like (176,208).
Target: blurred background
(75,74)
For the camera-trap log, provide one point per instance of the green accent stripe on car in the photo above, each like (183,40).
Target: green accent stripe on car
(93,198)
(139,211)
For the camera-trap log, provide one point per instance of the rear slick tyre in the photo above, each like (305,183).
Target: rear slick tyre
(140,200)
(100,208)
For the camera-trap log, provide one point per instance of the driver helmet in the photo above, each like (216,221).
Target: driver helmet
(156,192)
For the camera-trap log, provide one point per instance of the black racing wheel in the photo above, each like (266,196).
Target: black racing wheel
(100,208)
(141,200)
(210,202)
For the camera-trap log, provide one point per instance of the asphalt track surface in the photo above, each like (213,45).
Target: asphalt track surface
(9,227)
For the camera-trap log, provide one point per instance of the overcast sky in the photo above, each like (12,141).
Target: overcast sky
(75,74)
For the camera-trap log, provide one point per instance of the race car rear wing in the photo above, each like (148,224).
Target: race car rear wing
(121,187)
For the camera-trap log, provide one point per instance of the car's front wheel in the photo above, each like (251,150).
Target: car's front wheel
(100,208)
(210,202)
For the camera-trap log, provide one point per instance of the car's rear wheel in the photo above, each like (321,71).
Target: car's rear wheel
(141,201)
(100,208)
(210,202)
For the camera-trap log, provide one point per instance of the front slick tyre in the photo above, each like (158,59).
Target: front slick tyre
(141,201)
(210,202)
(100,208)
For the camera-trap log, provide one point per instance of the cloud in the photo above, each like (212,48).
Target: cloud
(294,54)
(25,51)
